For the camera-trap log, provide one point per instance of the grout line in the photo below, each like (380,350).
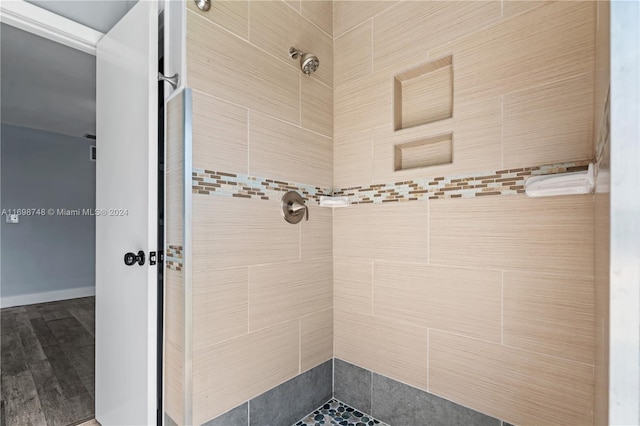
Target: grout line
(428,347)
(248,142)
(299,346)
(428,232)
(502,308)
(502,131)
(373,272)
(371,392)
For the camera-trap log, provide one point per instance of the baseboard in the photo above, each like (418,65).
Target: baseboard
(48,296)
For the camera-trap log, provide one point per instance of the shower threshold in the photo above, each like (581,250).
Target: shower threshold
(335,412)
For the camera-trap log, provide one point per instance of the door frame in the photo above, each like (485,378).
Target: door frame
(35,20)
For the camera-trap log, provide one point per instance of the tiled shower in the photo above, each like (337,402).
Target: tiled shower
(442,294)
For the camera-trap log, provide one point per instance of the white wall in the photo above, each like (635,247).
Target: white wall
(48,257)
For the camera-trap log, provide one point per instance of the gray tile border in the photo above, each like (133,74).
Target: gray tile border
(168,421)
(238,416)
(294,399)
(352,385)
(403,405)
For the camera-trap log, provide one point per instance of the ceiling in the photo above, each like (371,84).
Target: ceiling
(46,85)
(101,15)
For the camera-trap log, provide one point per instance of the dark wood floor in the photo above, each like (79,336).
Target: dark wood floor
(47,362)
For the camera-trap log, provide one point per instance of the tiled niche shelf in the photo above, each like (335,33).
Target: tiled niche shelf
(423,94)
(424,153)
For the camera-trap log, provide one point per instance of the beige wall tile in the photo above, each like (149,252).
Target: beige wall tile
(174,307)
(547,44)
(602,252)
(224,66)
(516,386)
(230,232)
(602,62)
(317,106)
(465,301)
(552,234)
(476,128)
(174,191)
(320,12)
(348,14)
(394,349)
(550,314)
(549,124)
(220,304)
(316,339)
(352,160)
(284,291)
(174,344)
(353,285)
(515,7)
(353,53)
(229,373)
(382,231)
(363,104)
(232,15)
(219,135)
(283,151)
(317,233)
(400,32)
(276,27)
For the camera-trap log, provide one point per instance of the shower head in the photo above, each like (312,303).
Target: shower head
(308,61)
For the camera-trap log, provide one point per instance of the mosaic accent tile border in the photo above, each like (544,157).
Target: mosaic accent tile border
(501,182)
(335,412)
(173,257)
(209,182)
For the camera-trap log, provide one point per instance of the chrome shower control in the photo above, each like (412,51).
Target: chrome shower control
(294,208)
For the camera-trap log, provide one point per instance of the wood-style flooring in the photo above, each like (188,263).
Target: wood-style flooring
(47,359)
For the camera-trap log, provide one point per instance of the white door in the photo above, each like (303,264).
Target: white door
(126,193)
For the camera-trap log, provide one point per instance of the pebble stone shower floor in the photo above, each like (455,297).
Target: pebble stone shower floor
(335,412)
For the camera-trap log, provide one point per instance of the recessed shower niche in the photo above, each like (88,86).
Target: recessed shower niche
(423,94)
(424,152)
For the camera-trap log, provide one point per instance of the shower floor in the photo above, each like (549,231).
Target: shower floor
(335,412)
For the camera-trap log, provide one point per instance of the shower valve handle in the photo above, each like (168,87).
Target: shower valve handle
(296,207)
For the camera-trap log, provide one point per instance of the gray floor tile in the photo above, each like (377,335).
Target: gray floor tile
(239,416)
(293,399)
(402,405)
(352,385)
